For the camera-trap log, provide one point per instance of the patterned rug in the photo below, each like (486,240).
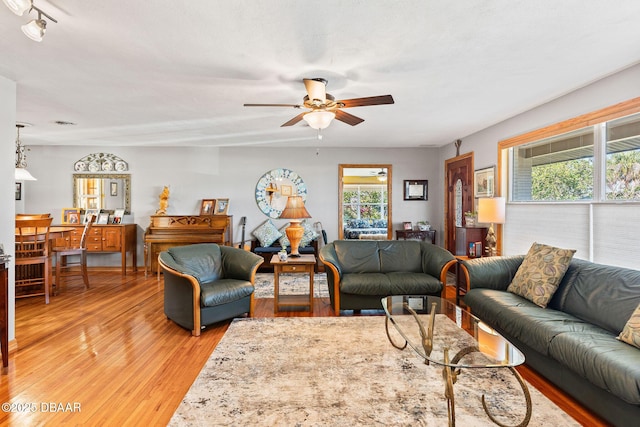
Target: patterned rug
(341,371)
(291,284)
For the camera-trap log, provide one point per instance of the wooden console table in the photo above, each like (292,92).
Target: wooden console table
(102,238)
(417,234)
(166,231)
(302,264)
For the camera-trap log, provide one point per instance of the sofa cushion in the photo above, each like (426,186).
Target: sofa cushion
(358,223)
(204,264)
(540,273)
(400,255)
(410,283)
(267,233)
(365,284)
(224,291)
(357,256)
(603,360)
(603,295)
(519,318)
(631,332)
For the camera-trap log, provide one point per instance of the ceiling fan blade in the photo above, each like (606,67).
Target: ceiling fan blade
(363,102)
(316,89)
(273,105)
(347,118)
(295,120)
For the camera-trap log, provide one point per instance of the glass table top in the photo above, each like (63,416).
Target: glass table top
(457,338)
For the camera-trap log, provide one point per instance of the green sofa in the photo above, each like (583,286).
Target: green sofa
(361,272)
(206,283)
(572,342)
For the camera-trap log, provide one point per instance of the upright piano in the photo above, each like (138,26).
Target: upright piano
(166,231)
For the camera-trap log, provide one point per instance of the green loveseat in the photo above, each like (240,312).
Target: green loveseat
(572,342)
(361,272)
(206,283)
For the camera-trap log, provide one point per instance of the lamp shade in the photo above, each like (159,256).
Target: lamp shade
(491,210)
(319,119)
(21,174)
(35,29)
(295,209)
(19,7)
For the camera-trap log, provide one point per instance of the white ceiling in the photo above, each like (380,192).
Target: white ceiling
(173,73)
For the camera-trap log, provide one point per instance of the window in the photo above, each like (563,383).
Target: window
(623,158)
(566,167)
(364,201)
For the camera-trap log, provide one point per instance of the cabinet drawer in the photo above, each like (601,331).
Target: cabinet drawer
(94,247)
(295,268)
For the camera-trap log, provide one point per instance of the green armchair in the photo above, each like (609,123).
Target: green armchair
(207,283)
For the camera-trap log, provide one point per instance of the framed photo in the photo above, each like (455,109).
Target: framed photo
(222,206)
(114,188)
(18,191)
(416,189)
(89,212)
(484,182)
(103,218)
(207,207)
(407,225)
(285,190)
(71,216)
(118,215)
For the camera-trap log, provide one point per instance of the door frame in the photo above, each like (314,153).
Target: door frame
(449,227)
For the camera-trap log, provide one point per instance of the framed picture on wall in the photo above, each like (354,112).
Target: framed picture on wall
(416,189)
(484,182)
(222,206)
(18,191)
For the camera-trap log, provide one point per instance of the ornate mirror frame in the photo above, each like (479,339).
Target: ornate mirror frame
(126,179)
(274,187)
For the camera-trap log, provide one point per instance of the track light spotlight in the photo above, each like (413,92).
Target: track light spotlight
(36,28)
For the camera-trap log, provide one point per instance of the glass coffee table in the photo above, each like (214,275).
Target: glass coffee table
(442,333)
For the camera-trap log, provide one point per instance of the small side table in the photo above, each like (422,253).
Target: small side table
(302,264)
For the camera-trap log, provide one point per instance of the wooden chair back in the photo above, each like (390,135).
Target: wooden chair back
(85,233)
(32,238)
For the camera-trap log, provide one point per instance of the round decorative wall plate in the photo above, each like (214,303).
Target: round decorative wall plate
(273,189)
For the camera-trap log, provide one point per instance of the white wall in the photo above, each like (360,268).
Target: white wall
(7,186)
(617,88)
(196,173)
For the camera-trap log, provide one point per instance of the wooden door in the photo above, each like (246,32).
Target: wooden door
(458,196)
(111,239)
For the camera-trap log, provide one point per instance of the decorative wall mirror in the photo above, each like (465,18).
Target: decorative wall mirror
(273,189)
(364,201)
(102,191)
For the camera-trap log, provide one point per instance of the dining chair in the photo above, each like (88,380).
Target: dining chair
(33,259)
(73,261)
(32,216)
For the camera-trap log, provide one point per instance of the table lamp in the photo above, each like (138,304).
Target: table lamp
(295,211)
(491,210)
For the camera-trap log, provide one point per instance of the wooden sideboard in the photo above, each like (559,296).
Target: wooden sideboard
(166,231)
(102,238)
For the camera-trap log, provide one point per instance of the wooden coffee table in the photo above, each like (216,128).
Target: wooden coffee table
(302,264)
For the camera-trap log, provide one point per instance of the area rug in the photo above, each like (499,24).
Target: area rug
(291,284)
(341,371)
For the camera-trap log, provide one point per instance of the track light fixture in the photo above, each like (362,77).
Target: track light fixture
(36,28)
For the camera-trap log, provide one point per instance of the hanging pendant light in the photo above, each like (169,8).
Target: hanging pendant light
(21,172)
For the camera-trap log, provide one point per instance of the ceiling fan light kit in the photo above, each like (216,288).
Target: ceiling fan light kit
(35,28)
(324,108)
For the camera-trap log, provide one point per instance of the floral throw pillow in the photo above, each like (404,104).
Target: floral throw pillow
(309,234)
(631,332)
(284,240)
(267,233)
(540,273)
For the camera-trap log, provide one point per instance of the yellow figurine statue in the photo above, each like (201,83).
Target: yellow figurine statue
(164,201)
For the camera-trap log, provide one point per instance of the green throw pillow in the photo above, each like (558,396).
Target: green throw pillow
(631,332)
(540,273)
(267,233)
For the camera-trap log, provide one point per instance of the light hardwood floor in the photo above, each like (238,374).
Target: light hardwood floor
(108,356)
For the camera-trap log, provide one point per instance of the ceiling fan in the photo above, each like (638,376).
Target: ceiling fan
(324,108)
